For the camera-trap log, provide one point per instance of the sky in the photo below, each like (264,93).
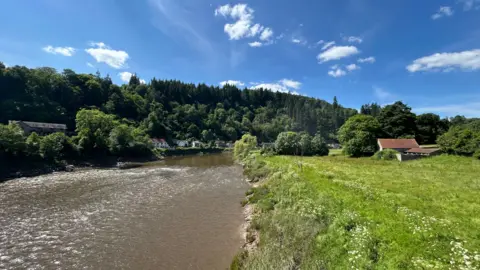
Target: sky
(425,53)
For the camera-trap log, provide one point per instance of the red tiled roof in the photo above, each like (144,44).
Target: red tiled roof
(158,140)
(423,150)
(398,143)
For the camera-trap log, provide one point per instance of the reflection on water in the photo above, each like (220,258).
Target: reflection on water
(183,213)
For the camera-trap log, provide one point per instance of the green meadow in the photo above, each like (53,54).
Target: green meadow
(344,213)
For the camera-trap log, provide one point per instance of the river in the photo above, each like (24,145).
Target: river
(182,213)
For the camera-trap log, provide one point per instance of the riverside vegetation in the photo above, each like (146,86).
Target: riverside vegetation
(337,212)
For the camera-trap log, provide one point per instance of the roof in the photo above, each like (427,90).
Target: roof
(159,140)
(41,125)
(398,143)
(423,150)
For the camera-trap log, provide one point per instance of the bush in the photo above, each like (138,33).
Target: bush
(387,154)
(243,146)
(460,140)
(288,143)
(476,155)
(319,147)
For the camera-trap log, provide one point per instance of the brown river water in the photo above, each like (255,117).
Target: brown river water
(182,213)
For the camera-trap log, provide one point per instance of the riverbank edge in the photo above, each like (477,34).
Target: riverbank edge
(256,176)
(105,162)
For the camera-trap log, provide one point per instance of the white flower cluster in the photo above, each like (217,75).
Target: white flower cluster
(461,258)
(419,223)
(308,208)
(421,263)
(358,247)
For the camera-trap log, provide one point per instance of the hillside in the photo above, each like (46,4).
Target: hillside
(166,108)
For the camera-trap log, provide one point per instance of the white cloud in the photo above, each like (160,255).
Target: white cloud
(291,83)
(353,39)
(90,65)
(295,40)
(284,86)
(266,34)
(443,12)
(232,82)
(337,73)
(125,76)
(466,60)
(65,51)
(370,59)
(243,26)
(383,95)
(255,44)
(352,67)
(327,45)
(470,4)
(471,109)
(337,52)
(142,81)
(104,54)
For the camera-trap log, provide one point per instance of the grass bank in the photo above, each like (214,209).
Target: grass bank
(344,213)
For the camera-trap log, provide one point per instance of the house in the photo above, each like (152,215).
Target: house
(160,143)
(400,145)
(220,144)
(181,143)
(39,128)
(196,144)
(408,148)
(230,144)
(334,146)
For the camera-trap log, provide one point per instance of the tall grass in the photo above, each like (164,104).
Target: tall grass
(342,213)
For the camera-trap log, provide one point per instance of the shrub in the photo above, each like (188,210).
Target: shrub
(460,140)
(476,155)
(287,143)
(319,147)
(387,154)
(243,146)
(359,135)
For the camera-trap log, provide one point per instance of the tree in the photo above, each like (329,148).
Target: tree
(371,109)
(359,134)
(33,145)
(207,136)
(460,140)
(288,143)
(93,129)
(397,120)
(52,146)
(244,146)
(429,127)
(305,144)
(12,141)
(319,147)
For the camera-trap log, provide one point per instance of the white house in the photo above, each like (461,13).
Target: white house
(160,143)
(181,143)
(196,144)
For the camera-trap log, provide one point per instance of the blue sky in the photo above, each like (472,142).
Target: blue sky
(426,54)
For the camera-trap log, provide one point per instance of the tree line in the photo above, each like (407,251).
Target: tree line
(457,135)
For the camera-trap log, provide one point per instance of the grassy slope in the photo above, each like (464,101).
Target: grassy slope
(342,213)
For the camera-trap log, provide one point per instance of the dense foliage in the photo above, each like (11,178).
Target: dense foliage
(164,108)
(462,139)
(244,146)
(292,143)
(359,134)
(386,154)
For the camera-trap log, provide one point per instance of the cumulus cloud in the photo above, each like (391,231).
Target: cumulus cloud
(243,26)
(65,51)
(370,60)
(353,39)
(266,34)
(327,44)
(337,73)
(284,86)
(466,60)
(232,82)
(104,54)
(442,12)
(125,76)
(255,44)
(337,52)
(352,67)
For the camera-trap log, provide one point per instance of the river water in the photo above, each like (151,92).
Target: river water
(182,213)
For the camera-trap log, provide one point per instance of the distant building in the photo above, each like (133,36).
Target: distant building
(334,146)
(160,143)
(400,145)
(181,143)
(230,144)
(408,148)
(196,144)
(39,128)
(220,144)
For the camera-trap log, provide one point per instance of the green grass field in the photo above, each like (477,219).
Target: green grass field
(335,152)
(345,213)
